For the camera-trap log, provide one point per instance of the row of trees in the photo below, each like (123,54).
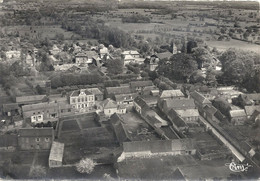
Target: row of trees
(136,18)
(75,79)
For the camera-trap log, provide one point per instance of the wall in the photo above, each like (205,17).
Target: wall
(30,143)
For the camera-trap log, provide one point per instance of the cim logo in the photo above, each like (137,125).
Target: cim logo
(236,167)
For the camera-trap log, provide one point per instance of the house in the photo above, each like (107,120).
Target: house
(144,149)
(151,101)
(24,100)
(10,109)
(164,55)
(118,126)
(110,92)
(124,99)
(172,94)
(200,100)
(140,106)
(177,122)
(102,50)
(43,112)
(151,62)
(99,96)
(35,138)
(150,90)
(55,50)
(8,142)
(177,104)
(82,100)
(238,117)
(248,99)
(251,109)
(138,86)
(85,57)
(189,116)
(209,113)
(56,154)
(110,107)
(128,59)
(133,53)
(13,54)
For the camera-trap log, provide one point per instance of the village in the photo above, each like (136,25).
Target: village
(64,100)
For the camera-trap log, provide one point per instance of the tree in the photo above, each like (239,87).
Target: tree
(202,56)
(238,66)
(179,67)
(114,66)
(190,45)
(37,172)
(86,165)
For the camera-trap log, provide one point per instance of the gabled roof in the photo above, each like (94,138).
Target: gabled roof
(122,97)
(210,109)
(164,55)
(35,132)
(119,128)
(130,52)
(89,54)
(77,92)
(251,109)
(177,120)
(45,105)
(118,90)
(128,57)
(109,103)
(159,146)
(188,113)
(25,99)
(237,113)
(140,102)
(134,84)
(171,94)
(9,107)
(179,103)
(95,91)
(199,98)
(56,152)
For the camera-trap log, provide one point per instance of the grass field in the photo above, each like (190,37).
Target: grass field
(70,125)
(43,31)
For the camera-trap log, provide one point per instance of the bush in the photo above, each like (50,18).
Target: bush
(86,165)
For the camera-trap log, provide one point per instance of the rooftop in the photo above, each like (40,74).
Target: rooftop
(35,132)
(164,55)
(134,84)
(179,103)
(77,93)
(95,91)
(56,152)
(251,109)
(118,90)
(171,94)
(199,97)
(237,113)
(109,103)
(187,113)
(159,146)
(24,99)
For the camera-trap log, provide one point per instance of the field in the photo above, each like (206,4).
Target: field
(42,31)
(70,125)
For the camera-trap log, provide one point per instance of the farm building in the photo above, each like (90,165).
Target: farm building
(35,138)
(56,154)
(140,85)
(172,94)
(24,100)
(10,109)
(142,149)
(177,104)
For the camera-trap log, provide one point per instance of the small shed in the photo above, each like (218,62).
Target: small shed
(56,154)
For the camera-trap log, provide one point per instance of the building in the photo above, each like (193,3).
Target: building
(151,62)
(118,126)
(200,100)
(238,117)
(82,100)
(110,107)
(99,96)
(209,113)
(162,56)
(177,122)
(150,90)
(56,154)
(55,50)
(125,99)
(172,94)
(47,111)
(24,100)
(177,104)
(110,92)
(86,57)
(35,138)
(10,109)
(133,53)
(13,54)
(138,86)
(251,109)
(144,149)
(130,56)
(102,50)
